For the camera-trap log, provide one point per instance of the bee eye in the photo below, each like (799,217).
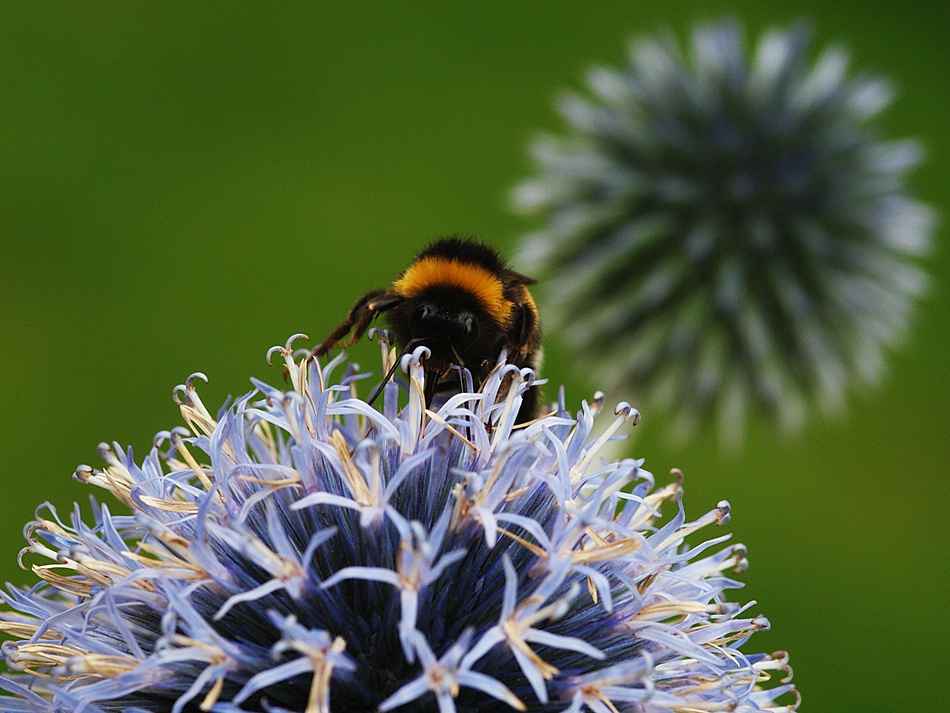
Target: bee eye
(462,329)
(417,321)
(470,327)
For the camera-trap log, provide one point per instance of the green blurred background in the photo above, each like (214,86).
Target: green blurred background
(184,185)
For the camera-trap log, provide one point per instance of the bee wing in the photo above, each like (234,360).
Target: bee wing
(516,276)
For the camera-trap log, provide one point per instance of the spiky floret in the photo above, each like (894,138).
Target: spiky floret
(725,234)
(303,551)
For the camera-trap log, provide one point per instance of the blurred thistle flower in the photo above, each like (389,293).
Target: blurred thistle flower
(306,552)
(725,234)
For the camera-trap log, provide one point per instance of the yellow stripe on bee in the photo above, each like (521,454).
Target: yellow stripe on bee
(476,280)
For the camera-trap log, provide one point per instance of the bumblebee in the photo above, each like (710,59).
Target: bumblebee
(459,299)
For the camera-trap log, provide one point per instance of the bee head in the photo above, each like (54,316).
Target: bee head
(432,323)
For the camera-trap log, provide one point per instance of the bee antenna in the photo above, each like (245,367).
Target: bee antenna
(458,359)
(460,364)
(379,387)
(392,370)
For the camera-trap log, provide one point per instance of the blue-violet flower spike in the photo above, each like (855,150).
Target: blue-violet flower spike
(726,235)
(303,551)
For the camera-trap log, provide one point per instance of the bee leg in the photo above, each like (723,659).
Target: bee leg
(432,382)
(358,319)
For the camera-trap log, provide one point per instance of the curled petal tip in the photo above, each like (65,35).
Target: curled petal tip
(384,336)
(289,344)
(628,412)
(285,351)
(598,401)
(415,357)
(83,473)
(189,382)
(180,392)
(271,352)
(782,659)
(723,512)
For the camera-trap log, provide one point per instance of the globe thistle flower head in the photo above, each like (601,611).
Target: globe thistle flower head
(725,234)
(304,551)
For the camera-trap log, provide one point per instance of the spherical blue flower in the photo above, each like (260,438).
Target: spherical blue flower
(725,234)
(303,551)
